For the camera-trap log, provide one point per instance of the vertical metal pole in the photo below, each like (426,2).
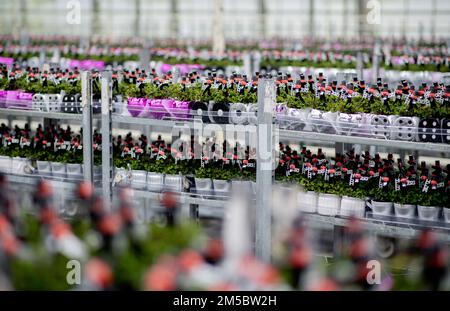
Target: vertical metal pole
(137,17)
(405,18)
(193,211)
(42,56)
(345,19)
(173,19)
(24,38)
(263,225)
(145,55)
(262,19)
(107,150)
(176,74)
(247,64)
(86,104)
(10,121)
(95,18)
(218,30)
(362,13)
(376,61)
(311,28)
(433,20)
(256,62)
(359,65)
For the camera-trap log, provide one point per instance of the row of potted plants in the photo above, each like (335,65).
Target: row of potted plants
(313,92)
(337,44)
(351,176)
(343,184)
(351,98)
(307,92)
(345,109)
(398,57)
(330,59)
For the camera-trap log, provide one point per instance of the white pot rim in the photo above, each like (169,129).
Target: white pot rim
(138,172)
(352,198)
(310,192)
(399,205)
(220,180)
(428,207)
(313,193)
(329,195)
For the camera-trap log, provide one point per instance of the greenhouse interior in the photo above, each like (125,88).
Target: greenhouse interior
(224,145)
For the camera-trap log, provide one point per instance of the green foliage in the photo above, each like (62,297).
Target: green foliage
(131,264)
(46,272)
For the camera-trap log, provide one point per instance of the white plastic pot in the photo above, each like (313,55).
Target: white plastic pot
(5,164)
(221,186)
(405,210)
(58,169)
(21,166)
(430,213)
(404,128)
(352,207)
(348,124)
(155,181)
(203,184)
(446,212)
(328,204)
(138,179)
(44,168)
(74,170)
(307,201)
(324,122)
(173,182)
(381,208)
(380,126)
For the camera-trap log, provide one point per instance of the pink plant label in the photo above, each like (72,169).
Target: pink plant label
(87,64)
(6,60)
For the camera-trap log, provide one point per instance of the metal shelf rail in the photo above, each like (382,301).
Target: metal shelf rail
(292,135)
(398,144)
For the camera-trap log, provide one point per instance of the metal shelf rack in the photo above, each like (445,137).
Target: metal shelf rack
(266,99)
